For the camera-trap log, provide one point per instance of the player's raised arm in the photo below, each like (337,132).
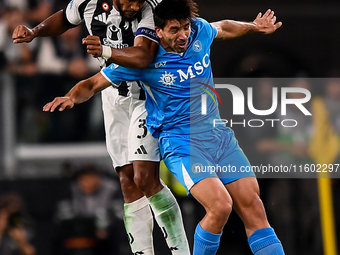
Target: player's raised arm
(265,24)
(53,25)
(80,93)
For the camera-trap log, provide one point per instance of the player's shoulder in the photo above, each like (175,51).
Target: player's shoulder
(74,3)
(201,26)
(73,6)
(78,3)
(149,7)
(200,22)
(153,3)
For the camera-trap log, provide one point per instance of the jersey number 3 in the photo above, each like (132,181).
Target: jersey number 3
(145,130)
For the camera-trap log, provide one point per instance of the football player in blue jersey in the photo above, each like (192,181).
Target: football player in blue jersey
(189,142)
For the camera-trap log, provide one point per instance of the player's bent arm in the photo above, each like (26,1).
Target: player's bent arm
(85,89)
(52,26)
(138,56)
(266,23)
(80,93)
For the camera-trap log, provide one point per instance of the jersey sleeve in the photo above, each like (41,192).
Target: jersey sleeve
(74,12)
(153,3)
(115,74)
(210,30)
(146,27)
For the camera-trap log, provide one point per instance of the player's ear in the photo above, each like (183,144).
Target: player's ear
(159,31)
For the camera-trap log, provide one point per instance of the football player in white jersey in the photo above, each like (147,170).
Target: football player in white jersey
(122,32)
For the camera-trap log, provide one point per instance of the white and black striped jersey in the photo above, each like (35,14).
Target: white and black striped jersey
(114,30)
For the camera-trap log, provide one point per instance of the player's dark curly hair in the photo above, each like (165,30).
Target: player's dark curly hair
(174,9)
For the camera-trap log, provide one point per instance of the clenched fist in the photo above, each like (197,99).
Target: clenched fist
(94,46)
(22,34)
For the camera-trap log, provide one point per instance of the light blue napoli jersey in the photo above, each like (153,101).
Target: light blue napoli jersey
(175,84)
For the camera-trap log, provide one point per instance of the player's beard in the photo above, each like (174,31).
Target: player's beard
(174,45)
(122,13)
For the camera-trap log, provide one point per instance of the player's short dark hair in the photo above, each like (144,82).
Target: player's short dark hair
(174,9)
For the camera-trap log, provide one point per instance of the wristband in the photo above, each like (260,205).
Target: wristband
(106,52)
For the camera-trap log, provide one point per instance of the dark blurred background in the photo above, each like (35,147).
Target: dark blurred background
(41,153)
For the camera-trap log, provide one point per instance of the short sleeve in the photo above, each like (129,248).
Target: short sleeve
(115,74)
(73,12)
(209,29)
(146,27)
(153,3)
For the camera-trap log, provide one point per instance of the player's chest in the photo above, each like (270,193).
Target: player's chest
(179,71)
(103,20)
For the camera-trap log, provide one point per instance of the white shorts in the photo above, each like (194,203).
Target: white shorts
(127,138)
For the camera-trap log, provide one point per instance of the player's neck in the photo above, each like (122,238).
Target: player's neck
(116,6)
(167,47)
